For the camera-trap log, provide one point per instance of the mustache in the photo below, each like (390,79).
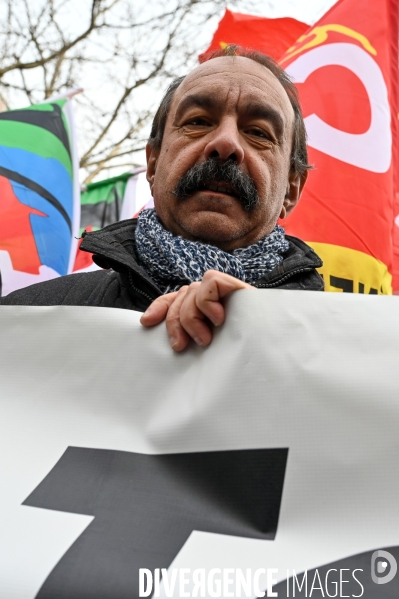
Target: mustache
(213,170)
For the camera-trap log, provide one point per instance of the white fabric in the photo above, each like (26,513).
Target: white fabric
(313,372)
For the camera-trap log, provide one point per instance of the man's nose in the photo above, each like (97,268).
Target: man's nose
(225,142)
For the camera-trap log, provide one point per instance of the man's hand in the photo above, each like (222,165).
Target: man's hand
(190,311)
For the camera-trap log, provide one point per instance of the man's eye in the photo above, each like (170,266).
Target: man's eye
(259,133)
(197,122)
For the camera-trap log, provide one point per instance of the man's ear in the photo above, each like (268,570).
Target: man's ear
(295,185)
(152,155)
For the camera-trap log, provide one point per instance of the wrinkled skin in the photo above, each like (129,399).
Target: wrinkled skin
(189,311)
(227,108)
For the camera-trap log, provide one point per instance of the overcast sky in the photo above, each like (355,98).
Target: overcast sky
(308,11)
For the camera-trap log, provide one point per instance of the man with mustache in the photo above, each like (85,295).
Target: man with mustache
(226,159)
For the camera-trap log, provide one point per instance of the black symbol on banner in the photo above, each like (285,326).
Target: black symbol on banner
(146,506)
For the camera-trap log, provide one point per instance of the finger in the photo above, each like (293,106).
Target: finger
(214,287)
(192,320)
(178,338)
(158,310)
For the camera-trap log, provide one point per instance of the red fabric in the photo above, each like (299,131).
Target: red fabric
(270,36)
(345,204)
(16,235)
(83,259)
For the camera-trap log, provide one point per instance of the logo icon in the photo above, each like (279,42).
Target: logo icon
(383,567)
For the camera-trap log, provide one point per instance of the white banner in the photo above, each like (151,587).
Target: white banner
(272,453)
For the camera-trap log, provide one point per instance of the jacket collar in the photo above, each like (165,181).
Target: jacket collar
(114,247)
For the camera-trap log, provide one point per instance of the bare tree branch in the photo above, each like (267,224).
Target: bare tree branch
(96,11)
(25,87)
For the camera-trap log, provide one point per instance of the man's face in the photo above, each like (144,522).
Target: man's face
(235,111)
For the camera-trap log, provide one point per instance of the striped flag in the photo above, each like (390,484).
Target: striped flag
(39,214)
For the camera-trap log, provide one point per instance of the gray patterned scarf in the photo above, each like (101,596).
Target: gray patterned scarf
(174,261)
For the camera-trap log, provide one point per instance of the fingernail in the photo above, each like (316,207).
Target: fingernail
(217,321)
(172,341)
(198,341)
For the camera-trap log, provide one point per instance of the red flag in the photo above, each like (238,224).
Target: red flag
(395,272)
(270,36)
(345,68)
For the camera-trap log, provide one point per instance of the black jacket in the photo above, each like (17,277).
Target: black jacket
(125,284)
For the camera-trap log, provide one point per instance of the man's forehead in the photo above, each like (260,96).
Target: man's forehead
(234,71)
